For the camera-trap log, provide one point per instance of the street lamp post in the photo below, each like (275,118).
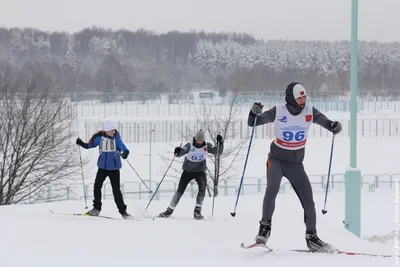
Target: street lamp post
(352,220)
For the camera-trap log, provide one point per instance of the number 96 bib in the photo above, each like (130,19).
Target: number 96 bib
(291,131)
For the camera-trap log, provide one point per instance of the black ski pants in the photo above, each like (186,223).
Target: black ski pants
(298,178)
(115,184)
(186,178)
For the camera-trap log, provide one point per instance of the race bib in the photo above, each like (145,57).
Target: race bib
(107,145)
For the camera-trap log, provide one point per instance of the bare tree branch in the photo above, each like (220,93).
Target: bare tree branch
(36,149)
(214,122)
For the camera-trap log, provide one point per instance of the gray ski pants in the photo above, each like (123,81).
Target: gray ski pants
(298,178)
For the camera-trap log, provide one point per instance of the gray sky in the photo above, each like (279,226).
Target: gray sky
(267,19)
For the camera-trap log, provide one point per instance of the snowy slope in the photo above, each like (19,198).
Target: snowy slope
(34,237)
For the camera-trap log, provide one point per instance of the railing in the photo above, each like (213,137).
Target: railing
(208,94)
(188,109)
(251,185)
(173,131)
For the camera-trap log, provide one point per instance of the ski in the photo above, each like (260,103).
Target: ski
(255,245)
(99,216)
(181,218)
(82,214)
(362,254)
(336,251)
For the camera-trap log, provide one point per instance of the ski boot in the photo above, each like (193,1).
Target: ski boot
(166,213)
(315,244)
(93,212)
(264,232)
(126,216)
(197,213)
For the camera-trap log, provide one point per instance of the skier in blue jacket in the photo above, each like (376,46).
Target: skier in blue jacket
(111,150)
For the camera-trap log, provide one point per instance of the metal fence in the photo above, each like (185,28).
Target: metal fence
(251,185)
(173,131)
(188,109)
(209,95)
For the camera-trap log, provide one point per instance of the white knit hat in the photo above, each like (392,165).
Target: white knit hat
(299,91)
(108,126)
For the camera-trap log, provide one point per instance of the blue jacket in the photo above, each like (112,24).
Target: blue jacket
(110,149)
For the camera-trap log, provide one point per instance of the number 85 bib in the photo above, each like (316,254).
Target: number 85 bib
(291,131)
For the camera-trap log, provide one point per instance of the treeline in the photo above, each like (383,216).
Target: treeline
(100,60)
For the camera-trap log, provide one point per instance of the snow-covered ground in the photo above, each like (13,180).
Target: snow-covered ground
(32,236)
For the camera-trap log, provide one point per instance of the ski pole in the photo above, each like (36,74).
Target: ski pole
(83,178)
(216,176)
(324,211)
(244,168)
(139,176)
(159,184)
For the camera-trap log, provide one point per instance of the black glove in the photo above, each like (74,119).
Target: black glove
(177,151)
(125,154)
(81,143)
(219,138)
(257,108)
(335,127)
